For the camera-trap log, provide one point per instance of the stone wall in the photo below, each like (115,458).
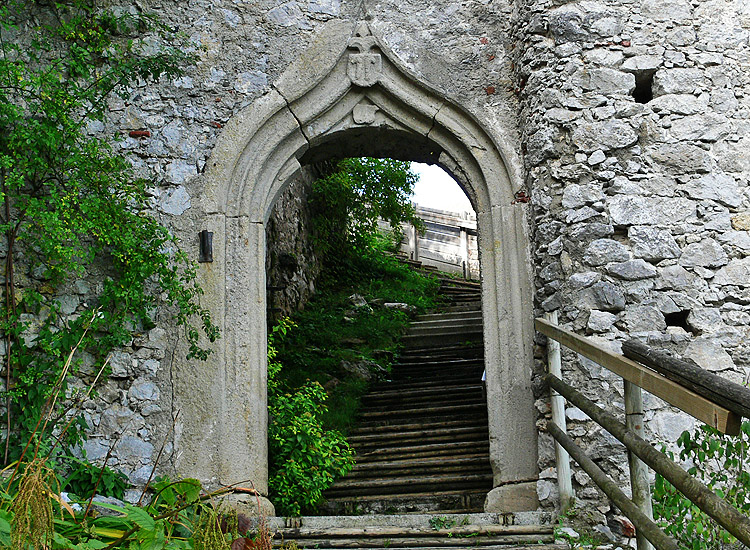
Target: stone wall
(291,264)
(625,121)
(635,131)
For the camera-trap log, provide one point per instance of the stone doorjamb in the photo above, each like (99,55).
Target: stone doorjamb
(349,96)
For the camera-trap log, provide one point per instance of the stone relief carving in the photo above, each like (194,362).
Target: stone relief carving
(364,68)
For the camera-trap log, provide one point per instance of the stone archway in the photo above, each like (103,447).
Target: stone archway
(347,96)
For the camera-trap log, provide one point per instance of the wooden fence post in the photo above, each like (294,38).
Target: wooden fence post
(564,481)
(639,482)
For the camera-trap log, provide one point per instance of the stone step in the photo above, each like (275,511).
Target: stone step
(475,305)
(425,411)
(545,518)
(399,537)
(363,546)
(451,501)
(460,283)
(420,406)
(476,417)
(410,484)
(432,391)
(415,426)
(452,337)
(456,315)
(423,327)
(465,463)
(442,351)
(455,367)
(391,440)
(428,450)
(414,381)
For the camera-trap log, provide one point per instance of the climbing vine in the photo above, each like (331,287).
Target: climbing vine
(71,205)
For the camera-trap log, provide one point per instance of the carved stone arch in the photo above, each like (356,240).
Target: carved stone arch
(348,96)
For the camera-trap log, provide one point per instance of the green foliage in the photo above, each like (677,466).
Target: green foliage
(305,458)
(306,448)
(330,330)
(348,202)
(180,517)
(85,479)
(70,203)
(719,461)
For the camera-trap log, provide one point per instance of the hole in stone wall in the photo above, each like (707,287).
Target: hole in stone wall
(644,82)
(678,319)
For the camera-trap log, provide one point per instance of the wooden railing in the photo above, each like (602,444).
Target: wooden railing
(703,395)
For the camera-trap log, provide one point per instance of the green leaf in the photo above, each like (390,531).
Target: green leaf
(140,517)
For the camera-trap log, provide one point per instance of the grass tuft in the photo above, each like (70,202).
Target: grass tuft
(32,524)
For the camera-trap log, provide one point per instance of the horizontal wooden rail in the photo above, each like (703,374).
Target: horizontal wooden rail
(643,523)
(673,393)
(700,495)
(724,392)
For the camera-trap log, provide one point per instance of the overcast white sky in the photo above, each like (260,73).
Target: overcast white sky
(436,189)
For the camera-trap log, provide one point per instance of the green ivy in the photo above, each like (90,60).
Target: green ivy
(71,205)
(719,461)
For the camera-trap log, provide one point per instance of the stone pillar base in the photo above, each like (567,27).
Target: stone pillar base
(515,497)
(248,504)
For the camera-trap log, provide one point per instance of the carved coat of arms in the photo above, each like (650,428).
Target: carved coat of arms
(364,68)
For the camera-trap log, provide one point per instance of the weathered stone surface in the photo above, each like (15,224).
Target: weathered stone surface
(678,81)
(705,319)
(681,158)
(583,279)
(575,195)
(602,295)
(719,187)
(600,321)
(131,447)
(708,128)
(639,63)
(669,425)
(632,270)
(608,81)
(175,201)
(666,10)
(643,319)
(736,272)
(144,390)
(709,355)
(652,244)
(603,251)
(611,134)
(679,104)
(706,253)
(741,222)
(676,277)
(626,210)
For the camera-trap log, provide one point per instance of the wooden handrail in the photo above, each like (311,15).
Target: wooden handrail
(673,393)
(724,392)
(700,495)
(642,522)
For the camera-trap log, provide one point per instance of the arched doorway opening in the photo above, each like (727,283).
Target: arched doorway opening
(348,97)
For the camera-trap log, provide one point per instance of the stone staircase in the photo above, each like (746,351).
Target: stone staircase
(522,531)
(423,469)
(422,438)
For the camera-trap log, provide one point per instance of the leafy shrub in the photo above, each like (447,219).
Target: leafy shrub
(719,461)
(86,479)
(305,458)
